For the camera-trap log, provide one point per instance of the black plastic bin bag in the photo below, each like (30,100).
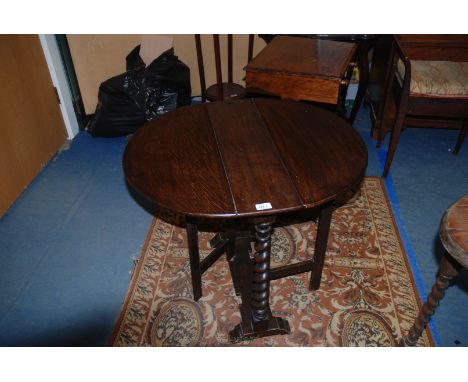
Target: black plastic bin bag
(140,94)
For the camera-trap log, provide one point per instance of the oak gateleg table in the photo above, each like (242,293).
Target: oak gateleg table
(244,164)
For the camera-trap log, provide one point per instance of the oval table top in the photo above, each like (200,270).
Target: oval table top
(240,158)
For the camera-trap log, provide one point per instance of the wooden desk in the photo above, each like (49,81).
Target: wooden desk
(302,69)
(364,43)
(243,163)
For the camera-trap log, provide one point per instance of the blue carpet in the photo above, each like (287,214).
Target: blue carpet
(66,245)
(66,249)
(427,178)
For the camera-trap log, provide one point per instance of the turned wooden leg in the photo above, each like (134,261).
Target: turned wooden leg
(194,256)
(320,246)
(261,282)
(448,269)
(257,320)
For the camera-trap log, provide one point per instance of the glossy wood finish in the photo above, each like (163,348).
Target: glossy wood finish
(221,90)
(454,236)
(301,69)
(364,43)
(220,160)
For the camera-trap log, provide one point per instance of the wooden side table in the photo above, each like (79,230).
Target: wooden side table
(364,43)
(454,236)
(304,69)
(241,164)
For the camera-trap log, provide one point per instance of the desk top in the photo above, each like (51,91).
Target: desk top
(304,57)
(233,158)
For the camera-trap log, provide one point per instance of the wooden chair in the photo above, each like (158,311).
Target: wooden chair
(429,87)
(221,90)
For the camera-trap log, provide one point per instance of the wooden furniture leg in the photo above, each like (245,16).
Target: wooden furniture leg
(363,65)
(257,320)
(461,137)
(320,246)
(396,131)
(201,67)
(250,49)
(194,255)
(220,246)
(448,269)
(260,304)
(219,75)
(238,243)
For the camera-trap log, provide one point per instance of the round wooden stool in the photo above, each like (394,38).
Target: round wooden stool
(453,233)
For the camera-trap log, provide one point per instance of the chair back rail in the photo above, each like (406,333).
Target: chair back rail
(220,90)
(435,47)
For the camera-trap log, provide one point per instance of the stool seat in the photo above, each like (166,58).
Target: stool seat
(230,90)
(454,230)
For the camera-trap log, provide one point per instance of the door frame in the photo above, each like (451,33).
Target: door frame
(59,80)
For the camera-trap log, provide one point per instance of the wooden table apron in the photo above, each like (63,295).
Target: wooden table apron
(249,161)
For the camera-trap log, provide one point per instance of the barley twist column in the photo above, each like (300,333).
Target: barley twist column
(447,272)
(261,285)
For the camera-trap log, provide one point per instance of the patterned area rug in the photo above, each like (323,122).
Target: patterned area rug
(367,296)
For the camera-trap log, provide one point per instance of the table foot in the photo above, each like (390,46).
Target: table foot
(248,329)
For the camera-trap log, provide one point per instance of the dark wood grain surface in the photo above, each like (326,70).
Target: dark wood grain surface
(443,47)
(220,159)
(304,57)
(301,69)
